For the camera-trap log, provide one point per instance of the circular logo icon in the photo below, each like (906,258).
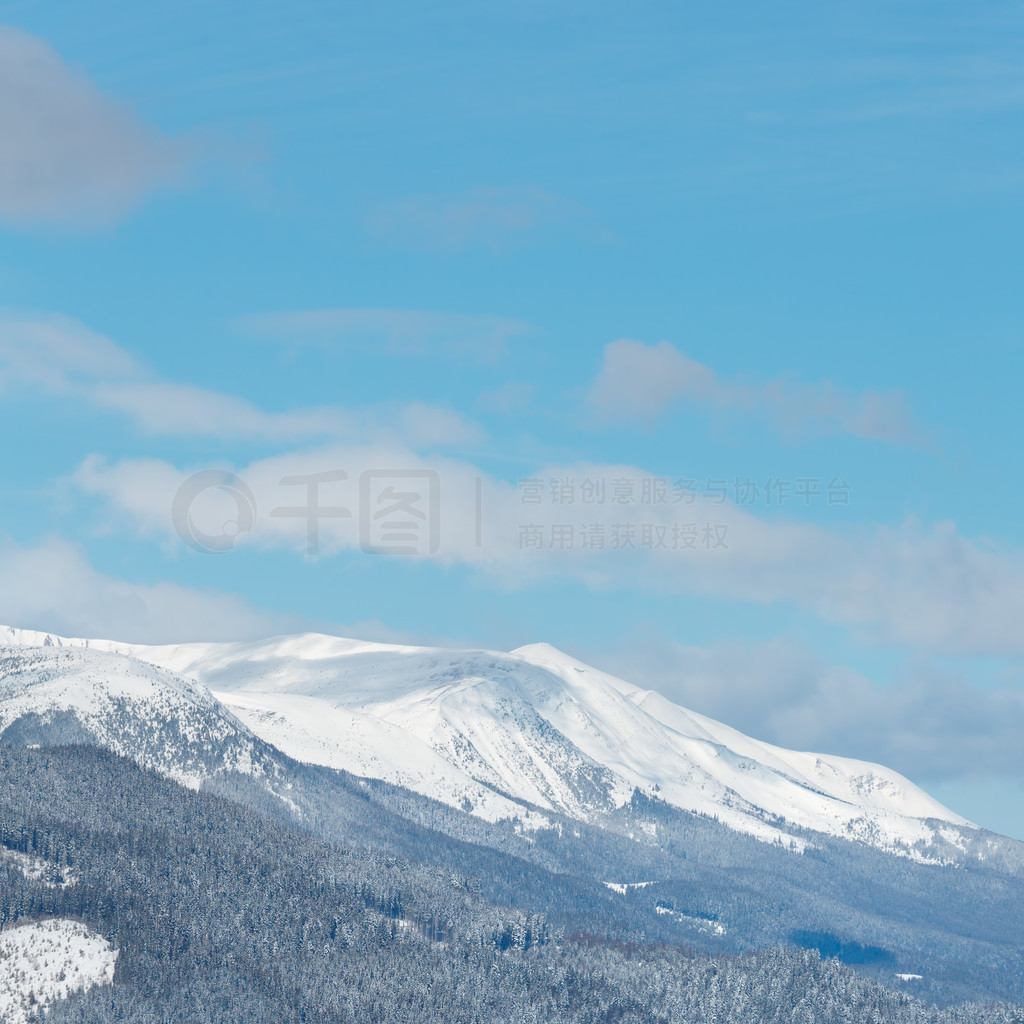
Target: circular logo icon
(192,489)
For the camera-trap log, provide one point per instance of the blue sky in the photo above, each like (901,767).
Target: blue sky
(753,272)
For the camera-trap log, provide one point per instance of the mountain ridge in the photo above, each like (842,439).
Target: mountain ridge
(518,734)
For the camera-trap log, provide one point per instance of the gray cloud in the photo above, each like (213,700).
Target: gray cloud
(68,151)
(639,382)
(931,724)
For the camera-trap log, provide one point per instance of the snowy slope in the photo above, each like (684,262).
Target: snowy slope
(489,732)
(47,961)
(73,694)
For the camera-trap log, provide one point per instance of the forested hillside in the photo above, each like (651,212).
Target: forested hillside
(221,914)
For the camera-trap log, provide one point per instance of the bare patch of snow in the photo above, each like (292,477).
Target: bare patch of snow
(38,870)
(49,960)
(623,887)
(702,924)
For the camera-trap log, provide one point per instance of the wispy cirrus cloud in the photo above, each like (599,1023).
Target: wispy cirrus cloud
(638,382)
(69,152)
(494,218)
(61,357)
(400,331)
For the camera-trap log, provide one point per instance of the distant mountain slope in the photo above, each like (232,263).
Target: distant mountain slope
(510,734)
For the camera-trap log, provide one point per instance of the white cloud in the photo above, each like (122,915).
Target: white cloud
(639,382)
(69,151)
(52,587)
(398,331)
(490,217)
(61,357)
(922,587)
(141,494)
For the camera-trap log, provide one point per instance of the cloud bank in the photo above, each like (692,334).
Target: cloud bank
(52,587)
(931,724)
(920,587)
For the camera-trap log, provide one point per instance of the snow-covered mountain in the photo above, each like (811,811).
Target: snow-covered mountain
(512,735)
